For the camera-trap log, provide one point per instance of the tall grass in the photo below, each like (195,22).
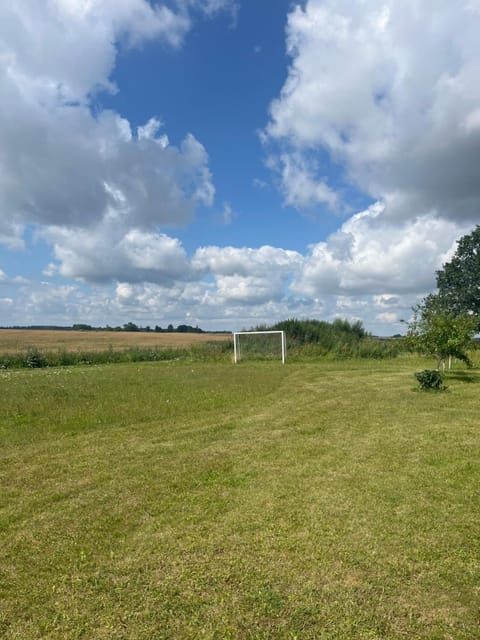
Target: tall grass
(34,358)
(340,339)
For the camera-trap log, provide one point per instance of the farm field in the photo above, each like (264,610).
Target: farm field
(15,340)
(257,501)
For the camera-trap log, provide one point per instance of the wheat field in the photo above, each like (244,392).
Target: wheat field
(17,340)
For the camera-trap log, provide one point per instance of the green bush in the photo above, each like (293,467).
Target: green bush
(430,380)
(35,360)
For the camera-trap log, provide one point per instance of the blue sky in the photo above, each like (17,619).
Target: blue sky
(226,163)
(219,87)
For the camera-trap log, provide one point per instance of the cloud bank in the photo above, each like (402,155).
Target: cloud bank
(389,91)
(386,94)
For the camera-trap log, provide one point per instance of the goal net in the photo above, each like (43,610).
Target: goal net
(266,345)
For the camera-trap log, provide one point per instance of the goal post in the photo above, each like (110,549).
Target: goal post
(238,349)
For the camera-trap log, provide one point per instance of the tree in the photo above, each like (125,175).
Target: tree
(441,334)
(82,327)
(459,281)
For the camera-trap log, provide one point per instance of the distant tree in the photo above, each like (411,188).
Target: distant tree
(170,328)
(187,328)
(130,326)
(458,281)
(158,329)
(82,327)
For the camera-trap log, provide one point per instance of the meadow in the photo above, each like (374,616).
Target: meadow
(184,500)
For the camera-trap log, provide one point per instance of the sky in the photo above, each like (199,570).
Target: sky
(230,163)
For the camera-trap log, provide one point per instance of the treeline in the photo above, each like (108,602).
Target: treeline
(337,339)
(128,326)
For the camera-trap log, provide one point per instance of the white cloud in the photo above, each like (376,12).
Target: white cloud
(300,184)
(150,131)
(247,276)
(211,7)
(386,91)
(244,261)
(248,290)
(15,280)
(389,91)
(372,255)
(387,317)
(227,213)
(219,302)
(63,164)
(41,41)
(111,253)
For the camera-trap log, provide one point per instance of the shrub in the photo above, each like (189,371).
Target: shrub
(430,380)
(35,360)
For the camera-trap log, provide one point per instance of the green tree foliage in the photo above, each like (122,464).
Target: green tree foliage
(441,334)
(459,281)
(130,326)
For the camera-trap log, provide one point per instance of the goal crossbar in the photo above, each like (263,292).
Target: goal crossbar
(236,350)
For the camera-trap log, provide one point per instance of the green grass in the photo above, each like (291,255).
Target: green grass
(184,501)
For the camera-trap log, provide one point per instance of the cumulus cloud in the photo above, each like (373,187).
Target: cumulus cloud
(381,98)
(207,304)
(380,95)
(111,253)
(245,261)
(300,184)
(7,280)
(64,164)
(372,255)
(245,275)
(67,48)
(215,276)
(220,302)
(389,91)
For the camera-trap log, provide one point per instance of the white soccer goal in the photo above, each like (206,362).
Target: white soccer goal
(265,344)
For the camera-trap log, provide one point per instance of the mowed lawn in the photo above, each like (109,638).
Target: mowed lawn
(259,501)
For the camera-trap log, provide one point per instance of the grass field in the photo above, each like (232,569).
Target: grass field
(257,501)
(15,340)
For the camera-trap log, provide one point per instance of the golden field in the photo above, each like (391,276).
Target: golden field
(17,340)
